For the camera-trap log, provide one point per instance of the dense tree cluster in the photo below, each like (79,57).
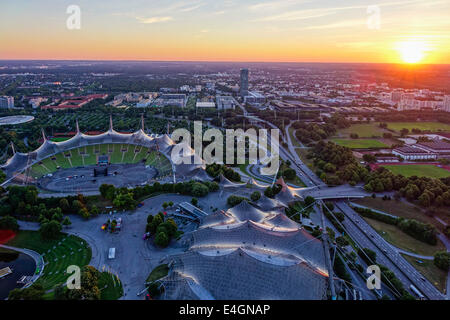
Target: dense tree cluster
(235,200)
(271,192)
(164,230)
(214,170)
(34,292)
(8,223)
(89,287)
(124,198)
(442,260)
(336,164)
(255,196)
(426,191)
(313,132)
(416,229)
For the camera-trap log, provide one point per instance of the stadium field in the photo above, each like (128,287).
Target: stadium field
(116,156)
(360,143)
(420,170)
(62,161)
(129,155)
(85,156)
(75,158)
(140,155)
(90,158)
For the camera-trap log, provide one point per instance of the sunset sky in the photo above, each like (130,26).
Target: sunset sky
(229,30)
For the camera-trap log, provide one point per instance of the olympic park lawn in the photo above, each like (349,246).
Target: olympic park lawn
(369,130)
(420,170)
(57,254)
(110,286)
(424,126)
(360,143)
(364,130)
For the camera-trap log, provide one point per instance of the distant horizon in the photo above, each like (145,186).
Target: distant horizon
(231,61)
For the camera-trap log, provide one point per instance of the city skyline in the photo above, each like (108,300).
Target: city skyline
(402,31)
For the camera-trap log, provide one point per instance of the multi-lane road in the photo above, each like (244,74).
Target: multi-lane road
(387,255)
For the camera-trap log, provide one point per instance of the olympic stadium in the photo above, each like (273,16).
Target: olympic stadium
(84,162)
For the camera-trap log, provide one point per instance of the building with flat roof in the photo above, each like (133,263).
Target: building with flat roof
(172,99)
(225,102)
(6,102)
(446,104)
(412,153)
(205,104)
(254,98)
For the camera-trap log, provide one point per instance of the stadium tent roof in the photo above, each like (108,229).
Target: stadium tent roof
(226,183)
(296,242)
(20,161)
(268,204)
(246,253)
(242,274)
(245,211)
(288,194)
(218,218)
(282,221)
(260,185)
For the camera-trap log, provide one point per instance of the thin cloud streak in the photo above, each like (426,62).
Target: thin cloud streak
(154,19)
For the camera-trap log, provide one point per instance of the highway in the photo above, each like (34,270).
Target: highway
(387,255)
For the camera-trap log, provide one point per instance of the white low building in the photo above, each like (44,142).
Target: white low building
(412,153)
(207,104)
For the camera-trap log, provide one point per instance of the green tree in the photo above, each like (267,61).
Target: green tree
(442,260)
(162,239)
(50,230)
(64,205)
(9,223)
(94,211)
(289,174)
(157,220)
(35,292)
(255,196)
(66,222)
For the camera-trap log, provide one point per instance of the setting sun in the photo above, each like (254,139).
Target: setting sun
(412,51)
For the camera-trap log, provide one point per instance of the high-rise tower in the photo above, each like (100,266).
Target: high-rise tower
(244,83)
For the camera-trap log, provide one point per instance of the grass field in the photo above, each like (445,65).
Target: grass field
(57,254)
(157,273)
(398,238)
(405,210)
(427,268)
(59,139)
(110,286)
(364,130)
(431,126)
(420,170)
(294,140)
(360,143)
